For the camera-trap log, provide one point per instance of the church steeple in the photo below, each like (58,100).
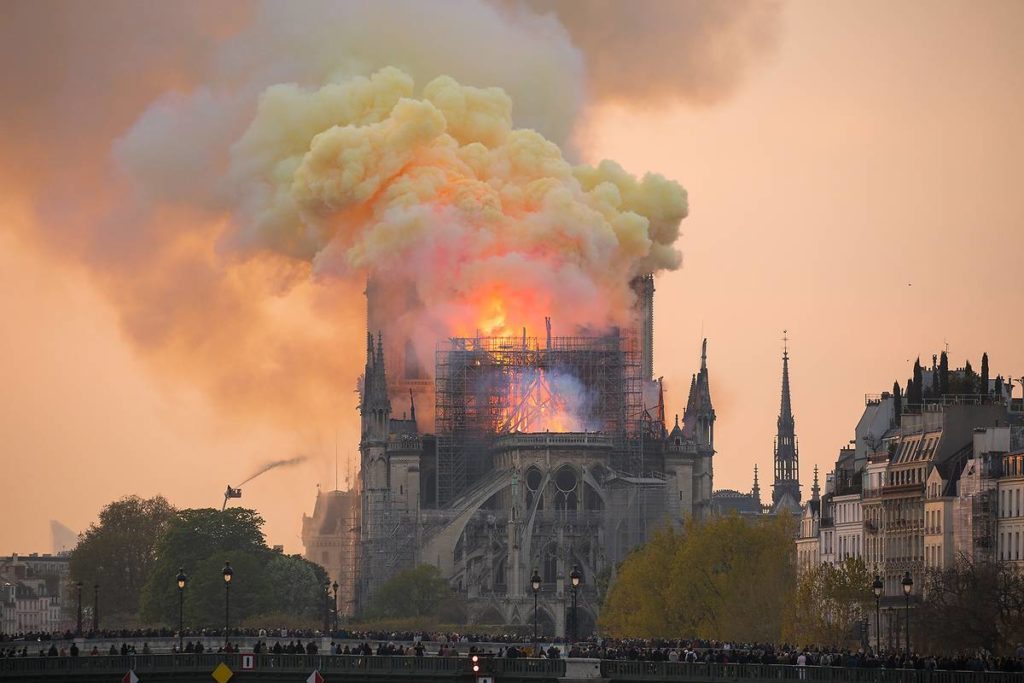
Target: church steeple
(755,492)
(375,405)
(815,489)
(787,467)
(699,416)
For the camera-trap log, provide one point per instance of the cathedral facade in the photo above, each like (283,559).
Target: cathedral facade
(542,456)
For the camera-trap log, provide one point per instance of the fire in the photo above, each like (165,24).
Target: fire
(538,404)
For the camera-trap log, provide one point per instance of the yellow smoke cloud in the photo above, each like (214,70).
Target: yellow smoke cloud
(371,180)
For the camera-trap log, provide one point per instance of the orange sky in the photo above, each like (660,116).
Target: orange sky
(860,189)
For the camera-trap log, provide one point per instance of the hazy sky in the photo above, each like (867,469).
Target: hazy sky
(859,187)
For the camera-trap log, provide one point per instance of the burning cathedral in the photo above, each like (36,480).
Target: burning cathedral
(517,454)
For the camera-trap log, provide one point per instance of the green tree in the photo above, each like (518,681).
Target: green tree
(983,388)
(917,397)
(200,541)
(897,403)
(417,592)
(118,553)
(727,578)
(830,601)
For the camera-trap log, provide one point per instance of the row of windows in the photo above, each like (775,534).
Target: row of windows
(1009,502)
(909,449)
(900,477)
(1010,546)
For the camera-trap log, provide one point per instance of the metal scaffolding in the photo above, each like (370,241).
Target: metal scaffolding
(489,386)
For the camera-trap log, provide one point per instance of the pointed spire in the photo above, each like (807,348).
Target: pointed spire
(677,420)
(755,492)
(369,349)
(412,406)
(786,407)
(704,355)
(815,489)
(787,464)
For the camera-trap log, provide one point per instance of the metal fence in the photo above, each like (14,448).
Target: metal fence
(699,673)
(385,667)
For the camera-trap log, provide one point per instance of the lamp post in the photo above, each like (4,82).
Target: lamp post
(335,587)
(327,606)
(95,608)
(535,584)
(78,632)
(877,588)
(908,586)
(182,580)
(574,577)
(228,573)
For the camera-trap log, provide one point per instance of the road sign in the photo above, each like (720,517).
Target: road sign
(130,677)
(315,677)
(222,674)
(248,662)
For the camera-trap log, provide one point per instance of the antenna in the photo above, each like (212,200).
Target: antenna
(335,459)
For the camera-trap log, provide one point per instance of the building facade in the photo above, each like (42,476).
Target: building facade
(34,594)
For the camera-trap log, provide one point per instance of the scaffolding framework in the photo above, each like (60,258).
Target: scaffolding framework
(486,387)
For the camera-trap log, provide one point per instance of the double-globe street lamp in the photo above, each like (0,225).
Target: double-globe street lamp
(877,587)
(574,578)
(182,580)
(535,584)
(228,573)
(908,587)
(335,587)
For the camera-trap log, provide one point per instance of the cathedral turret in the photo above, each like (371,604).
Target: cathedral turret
(699,416)
(375,406)
(815,488)
(786,488)
(755,491)
(699,429)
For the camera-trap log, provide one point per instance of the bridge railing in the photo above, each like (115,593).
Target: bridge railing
(700,672)
(206,662)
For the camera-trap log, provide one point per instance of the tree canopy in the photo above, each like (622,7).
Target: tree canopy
(726,578)
(118,552)
(200,542)
(417,592)
(830,601)
(971,605)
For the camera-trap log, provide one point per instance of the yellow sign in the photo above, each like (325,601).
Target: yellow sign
(222,674)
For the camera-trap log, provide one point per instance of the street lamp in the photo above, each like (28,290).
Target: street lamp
(574,577)
(327,606)
(96,608)
(877,588)
(535,584)
(228,573)
(335,587)
(182,580)
(908,586)
(79,631)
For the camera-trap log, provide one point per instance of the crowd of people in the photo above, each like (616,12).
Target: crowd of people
(422,644)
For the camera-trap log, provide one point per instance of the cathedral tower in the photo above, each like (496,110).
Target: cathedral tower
(699,427)
(375,413)
(786,489)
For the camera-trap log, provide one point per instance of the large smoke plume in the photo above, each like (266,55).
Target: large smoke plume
(231,173)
